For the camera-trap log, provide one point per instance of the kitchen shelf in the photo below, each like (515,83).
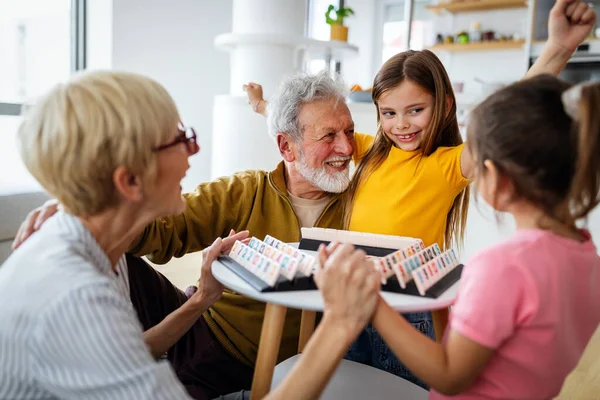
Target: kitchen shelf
(328,50)
(455,7)
(480,46)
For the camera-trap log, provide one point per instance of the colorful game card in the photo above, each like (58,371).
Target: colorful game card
(401,262)
(380,266)
(259,265)
(288,263)
(306,262)
(434,270)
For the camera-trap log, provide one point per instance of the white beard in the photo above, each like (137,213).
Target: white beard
(335,182)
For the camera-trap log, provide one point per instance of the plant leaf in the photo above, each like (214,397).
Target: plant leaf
(328,19)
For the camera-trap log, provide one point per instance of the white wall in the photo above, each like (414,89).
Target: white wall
(172,42)
(99,34)
(506,65)
(502,65)
(483,229)
(361,32)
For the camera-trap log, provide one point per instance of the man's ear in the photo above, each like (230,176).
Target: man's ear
(128,185)
(286,147)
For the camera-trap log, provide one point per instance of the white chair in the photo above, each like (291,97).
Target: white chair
(352,380)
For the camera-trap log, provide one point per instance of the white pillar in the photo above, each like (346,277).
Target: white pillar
(269,16)
(268,32)
(263,47)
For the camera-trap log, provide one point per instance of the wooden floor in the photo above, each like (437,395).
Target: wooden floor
(582,384)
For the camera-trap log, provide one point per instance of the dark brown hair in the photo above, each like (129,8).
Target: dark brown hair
(426,70)
(552,159)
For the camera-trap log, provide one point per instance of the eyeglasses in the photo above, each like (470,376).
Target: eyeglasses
(187,135)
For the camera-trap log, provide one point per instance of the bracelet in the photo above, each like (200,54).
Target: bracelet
(255,106)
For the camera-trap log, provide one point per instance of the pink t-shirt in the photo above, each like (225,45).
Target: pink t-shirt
(535,300)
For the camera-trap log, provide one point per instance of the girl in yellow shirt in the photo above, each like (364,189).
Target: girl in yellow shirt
(411,178)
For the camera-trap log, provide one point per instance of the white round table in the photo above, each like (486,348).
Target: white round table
(311,301)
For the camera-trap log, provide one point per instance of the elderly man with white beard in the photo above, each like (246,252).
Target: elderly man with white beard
(314,132)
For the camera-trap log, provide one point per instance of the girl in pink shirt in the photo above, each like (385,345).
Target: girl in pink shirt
(528,306)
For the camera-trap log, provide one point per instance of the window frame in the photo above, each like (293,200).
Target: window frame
(78,50)
(379,17)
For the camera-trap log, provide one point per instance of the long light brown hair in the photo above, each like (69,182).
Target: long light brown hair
(551,158)
(426,70)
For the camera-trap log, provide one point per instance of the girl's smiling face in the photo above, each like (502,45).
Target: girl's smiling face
(405,112)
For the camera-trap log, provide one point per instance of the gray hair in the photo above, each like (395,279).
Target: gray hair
(295,91)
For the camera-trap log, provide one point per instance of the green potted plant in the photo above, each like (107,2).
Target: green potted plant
(338,30)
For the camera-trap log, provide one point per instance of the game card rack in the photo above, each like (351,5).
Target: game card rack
(271,265)
(406,266)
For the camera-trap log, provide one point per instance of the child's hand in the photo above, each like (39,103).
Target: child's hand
(255,92)
(255,98)
(570,22)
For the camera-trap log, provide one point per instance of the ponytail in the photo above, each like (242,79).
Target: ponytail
(584,193)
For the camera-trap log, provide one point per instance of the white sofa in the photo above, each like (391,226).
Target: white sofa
(13,210)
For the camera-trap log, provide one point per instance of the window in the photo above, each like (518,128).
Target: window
(40,43)
(395,32)
(14,177)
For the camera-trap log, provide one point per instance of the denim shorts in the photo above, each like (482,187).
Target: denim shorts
(371,350)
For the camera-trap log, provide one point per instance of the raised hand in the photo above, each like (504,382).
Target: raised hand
(255,97)
(254,90)
(570,23)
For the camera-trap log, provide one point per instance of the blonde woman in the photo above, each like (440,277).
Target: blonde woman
(111,149)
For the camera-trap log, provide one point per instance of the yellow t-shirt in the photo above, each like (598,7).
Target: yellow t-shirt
(408,194)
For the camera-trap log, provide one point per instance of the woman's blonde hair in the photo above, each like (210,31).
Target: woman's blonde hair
(74,138)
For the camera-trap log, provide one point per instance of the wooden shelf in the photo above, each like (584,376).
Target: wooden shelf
(480,46)
(317,49)
(476,5)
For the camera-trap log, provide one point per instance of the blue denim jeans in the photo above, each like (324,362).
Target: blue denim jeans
(371,350)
